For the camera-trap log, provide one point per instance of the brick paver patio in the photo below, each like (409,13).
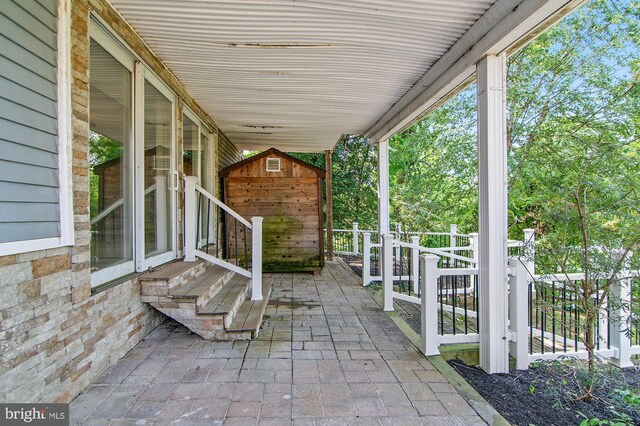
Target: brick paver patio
(327,355)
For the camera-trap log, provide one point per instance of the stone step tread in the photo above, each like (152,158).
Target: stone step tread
(225,299)
(170,271)
(249,316)
(201,284)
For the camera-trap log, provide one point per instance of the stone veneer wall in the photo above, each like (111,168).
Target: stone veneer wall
(55,336)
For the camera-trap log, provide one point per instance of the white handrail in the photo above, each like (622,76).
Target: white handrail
(439,252)
(104,213)
(223,206)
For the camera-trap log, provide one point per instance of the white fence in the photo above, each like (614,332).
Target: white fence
(544,316)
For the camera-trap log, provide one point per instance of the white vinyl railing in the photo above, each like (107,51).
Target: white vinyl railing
(203,236)
(545,318)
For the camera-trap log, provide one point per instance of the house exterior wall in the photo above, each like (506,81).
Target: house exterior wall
(56,334)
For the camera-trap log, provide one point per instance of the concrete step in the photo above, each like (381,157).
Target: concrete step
(205,287)
(228,300)
(247,321)
(170,277)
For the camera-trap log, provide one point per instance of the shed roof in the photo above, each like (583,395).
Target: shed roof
(271,151)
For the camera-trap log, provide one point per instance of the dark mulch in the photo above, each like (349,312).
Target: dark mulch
(546,393)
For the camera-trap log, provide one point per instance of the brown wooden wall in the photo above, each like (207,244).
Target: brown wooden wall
(290,202)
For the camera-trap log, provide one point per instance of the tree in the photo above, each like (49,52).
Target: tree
(354,181)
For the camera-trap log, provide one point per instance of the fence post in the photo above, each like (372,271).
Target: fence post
(530,250)
(620,341)
(518,312)
(415,259)
(256,258)
(366,258)
(190,218)
(474,247)
(398,236)
(387,272)
(355,238)
(429,305)
(452,235)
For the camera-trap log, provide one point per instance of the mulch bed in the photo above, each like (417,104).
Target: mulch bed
(546,393)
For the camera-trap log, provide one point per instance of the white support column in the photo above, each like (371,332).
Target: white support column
(415,259)
(256,258)
(429,305)
(190,218)
(518,313)
(473,237)
(492,213)
(366,258)
(383,188)
(355,239)
(530,250)
(387,272)
(620,295)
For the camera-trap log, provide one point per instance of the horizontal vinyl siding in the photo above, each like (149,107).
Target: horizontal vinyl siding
(29,201)
(228,154)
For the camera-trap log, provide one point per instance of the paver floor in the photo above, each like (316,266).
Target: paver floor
(326,355)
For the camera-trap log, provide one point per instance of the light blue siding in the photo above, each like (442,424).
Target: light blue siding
(29,201)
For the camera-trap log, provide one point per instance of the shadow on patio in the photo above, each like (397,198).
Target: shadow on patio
(326,354)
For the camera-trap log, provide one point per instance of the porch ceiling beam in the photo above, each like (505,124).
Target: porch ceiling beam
(506,25)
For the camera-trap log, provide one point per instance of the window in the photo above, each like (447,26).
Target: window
(273,164)
(159,185)
(131,151)
(35,198)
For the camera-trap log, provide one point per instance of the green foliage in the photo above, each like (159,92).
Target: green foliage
(354,182)
(573,105)
(101,150)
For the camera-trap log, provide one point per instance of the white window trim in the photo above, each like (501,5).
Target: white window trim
(64,140)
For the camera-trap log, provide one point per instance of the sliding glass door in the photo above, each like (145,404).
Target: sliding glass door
(132,192)
(158,174)
(110,164)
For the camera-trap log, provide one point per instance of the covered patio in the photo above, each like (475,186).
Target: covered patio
(327,354)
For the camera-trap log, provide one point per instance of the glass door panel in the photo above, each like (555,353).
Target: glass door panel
(190,147)
(110,163)
(158,131)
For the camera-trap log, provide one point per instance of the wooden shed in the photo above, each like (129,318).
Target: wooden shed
(287,192)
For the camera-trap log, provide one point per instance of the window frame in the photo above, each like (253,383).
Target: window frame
(143,74)
(140,73)
(102,37)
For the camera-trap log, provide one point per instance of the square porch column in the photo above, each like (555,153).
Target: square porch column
(492,213)
(383,188)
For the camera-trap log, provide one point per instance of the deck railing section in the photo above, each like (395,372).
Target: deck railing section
(547,322)
(216,233)
(443,282)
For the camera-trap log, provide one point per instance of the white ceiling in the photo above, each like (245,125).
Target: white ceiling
(296,75)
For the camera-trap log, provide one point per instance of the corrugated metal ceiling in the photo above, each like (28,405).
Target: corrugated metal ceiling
(296,75)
